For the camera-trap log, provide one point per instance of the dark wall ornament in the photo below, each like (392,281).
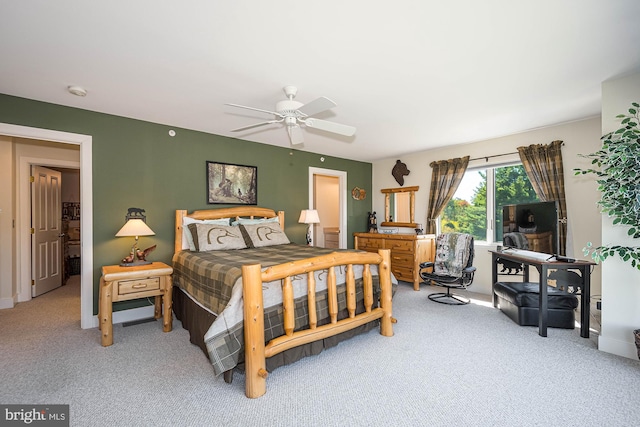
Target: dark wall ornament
(399,171)
(358,193)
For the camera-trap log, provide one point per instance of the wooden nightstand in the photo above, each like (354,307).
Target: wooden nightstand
(128,283)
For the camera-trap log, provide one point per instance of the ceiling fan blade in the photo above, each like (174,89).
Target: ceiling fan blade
(331,127)
(256,109)
(295,134)
(255,125)
(317,106)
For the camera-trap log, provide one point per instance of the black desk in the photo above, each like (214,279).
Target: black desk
(543,267)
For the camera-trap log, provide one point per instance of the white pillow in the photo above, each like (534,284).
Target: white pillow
(187,238)
(249,221)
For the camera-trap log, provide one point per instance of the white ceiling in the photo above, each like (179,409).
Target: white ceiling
(408,74)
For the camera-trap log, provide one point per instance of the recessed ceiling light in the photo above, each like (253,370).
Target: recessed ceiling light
(77,90)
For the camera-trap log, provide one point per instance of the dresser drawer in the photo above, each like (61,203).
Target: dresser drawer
(402,273)
(407,250)
(126,287)
(371,245)
(401,259)
(399,245)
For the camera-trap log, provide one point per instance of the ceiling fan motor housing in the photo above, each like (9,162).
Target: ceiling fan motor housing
(288,107)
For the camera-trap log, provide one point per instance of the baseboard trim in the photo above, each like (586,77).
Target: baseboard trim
(618,347)
(131,315)
(7,303)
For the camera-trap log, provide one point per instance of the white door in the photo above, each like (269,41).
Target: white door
(46,226)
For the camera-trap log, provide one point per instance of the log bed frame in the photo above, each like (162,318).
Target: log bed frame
(256,351)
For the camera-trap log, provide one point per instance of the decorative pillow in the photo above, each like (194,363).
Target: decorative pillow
(213,237)
(251,221)
(264,234)
(187,237)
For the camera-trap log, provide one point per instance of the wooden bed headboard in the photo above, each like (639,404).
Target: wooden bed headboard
(236,212)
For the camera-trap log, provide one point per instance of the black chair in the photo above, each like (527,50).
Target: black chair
(452,268)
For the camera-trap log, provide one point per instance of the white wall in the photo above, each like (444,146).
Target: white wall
(584,223)
(620,281)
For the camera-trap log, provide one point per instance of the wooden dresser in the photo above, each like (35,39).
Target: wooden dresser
(407,252)
(540,242)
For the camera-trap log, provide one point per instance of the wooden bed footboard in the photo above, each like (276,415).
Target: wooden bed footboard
(255,349)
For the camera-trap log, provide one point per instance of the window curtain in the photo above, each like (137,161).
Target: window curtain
(543,165)
(445,179)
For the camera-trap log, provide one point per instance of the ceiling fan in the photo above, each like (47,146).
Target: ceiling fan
(294,114)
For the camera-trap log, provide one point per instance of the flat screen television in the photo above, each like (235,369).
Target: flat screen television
(538,221)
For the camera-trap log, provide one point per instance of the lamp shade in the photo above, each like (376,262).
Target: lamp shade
(135,227)
(309,216)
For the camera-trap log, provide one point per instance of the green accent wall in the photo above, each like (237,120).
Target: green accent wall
(137,164)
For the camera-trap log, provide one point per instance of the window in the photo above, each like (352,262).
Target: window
(476,207)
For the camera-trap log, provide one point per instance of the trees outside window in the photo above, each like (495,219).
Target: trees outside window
(476,208)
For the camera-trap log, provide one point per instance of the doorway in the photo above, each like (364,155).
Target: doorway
(22,262)
(328,195)
(70,200)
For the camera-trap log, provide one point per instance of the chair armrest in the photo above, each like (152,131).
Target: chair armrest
(426,264)
(469,270)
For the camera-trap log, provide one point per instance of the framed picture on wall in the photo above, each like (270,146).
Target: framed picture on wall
(231,184)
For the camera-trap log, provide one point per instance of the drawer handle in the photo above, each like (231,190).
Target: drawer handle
(139,286)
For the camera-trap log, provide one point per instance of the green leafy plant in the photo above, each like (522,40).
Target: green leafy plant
(617,168)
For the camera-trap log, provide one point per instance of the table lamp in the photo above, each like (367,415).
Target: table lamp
(309,216)
(135,227)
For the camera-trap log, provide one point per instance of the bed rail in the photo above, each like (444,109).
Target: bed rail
(256,351)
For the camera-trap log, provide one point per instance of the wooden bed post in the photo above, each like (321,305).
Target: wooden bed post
(254,358)
(178,237)
(281,219)
(386,327)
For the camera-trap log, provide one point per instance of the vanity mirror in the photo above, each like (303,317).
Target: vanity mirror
(399,207)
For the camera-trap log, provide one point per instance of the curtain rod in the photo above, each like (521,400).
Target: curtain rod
(486,158)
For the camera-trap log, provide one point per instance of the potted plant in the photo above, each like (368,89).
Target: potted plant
(617,168)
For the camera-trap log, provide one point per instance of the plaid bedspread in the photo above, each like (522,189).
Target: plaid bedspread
(214,280)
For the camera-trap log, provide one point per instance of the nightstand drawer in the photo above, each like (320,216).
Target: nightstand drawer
(138,285)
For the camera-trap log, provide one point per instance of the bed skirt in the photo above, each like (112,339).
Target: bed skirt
(197,320)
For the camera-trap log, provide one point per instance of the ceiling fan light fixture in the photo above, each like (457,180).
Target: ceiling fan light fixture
(77,91)
(294,114)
